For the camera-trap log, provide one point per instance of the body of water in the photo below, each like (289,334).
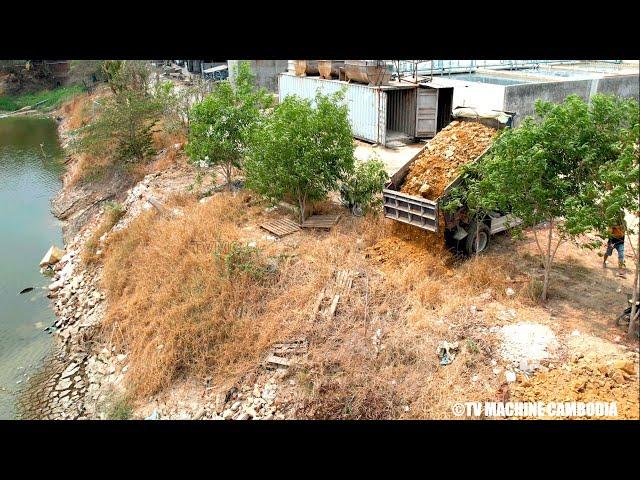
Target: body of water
(30,168)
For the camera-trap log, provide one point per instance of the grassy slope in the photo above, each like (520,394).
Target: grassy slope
(53,98)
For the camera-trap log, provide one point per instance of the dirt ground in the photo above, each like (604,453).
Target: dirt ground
(350,373)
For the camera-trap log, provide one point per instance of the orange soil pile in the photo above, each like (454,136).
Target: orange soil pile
(457,144)
(586,381)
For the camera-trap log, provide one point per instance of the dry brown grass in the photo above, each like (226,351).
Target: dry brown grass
(162,138)
(86,167)
(113,212)
(180,310)
(177,312)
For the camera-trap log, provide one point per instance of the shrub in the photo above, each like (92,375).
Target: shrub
(360,191)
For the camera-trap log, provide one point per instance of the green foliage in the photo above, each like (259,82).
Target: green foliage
(575,162)
(301,151)
(53,98)
(177,103)
(125,124)
(235,258)
(361,188)
(123,75)
(121,409)
(221,124)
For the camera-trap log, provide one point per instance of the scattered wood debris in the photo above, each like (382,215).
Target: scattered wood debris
(281,227)
(331,295)
(321,221)
(281,351)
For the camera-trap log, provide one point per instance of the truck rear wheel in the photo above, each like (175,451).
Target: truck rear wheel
(483,235)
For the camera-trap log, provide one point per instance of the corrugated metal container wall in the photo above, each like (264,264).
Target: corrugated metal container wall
(401,111)
(367,105)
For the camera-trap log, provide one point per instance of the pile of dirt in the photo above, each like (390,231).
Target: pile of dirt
(457,144)
(586,380)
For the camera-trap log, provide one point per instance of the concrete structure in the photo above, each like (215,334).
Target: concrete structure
(517,91)
(266,72)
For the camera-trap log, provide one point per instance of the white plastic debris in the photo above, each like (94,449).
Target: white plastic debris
(153,416)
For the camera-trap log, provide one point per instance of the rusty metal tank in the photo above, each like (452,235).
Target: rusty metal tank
(330,68)
(305,67)
(371,72)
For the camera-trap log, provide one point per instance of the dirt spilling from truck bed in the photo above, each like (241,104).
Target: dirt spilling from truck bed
(457,144)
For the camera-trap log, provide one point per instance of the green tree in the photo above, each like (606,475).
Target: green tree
(468,197)
(549,169)
(301,151)
(360,190)
(178,103)
(126,120)
(220,125)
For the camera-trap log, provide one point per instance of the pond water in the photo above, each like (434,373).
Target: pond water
(30,168)
(478,78)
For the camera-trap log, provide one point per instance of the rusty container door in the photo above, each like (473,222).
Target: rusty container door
(426,112)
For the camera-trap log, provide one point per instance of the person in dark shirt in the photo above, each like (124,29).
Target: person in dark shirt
(616,241)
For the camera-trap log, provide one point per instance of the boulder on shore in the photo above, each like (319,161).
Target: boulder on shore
(53,256)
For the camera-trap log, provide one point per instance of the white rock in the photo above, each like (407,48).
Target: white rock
(510,376)
(53,256)
(510,292)
(575,333)
(56,285)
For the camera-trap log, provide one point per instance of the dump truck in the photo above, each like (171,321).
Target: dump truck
(460,230)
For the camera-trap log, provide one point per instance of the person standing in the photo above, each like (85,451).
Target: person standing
(616,241)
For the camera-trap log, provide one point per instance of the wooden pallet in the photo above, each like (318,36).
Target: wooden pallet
(321,221)
(281,227)
(332,294)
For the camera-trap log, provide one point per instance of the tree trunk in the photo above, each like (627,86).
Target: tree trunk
(636,289)
(477,233)
(227,173)
(302,205)
(547,263)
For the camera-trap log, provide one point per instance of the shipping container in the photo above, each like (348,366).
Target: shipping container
(382,114)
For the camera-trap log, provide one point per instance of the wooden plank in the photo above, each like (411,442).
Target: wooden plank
(334,306)
(285,362)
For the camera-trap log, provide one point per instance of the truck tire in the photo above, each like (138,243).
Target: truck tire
(483,238)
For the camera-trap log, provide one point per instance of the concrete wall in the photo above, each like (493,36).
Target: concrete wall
(521,98)
(266,72)
(624,86)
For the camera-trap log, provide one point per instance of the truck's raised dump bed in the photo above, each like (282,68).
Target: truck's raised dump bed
(412,209)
